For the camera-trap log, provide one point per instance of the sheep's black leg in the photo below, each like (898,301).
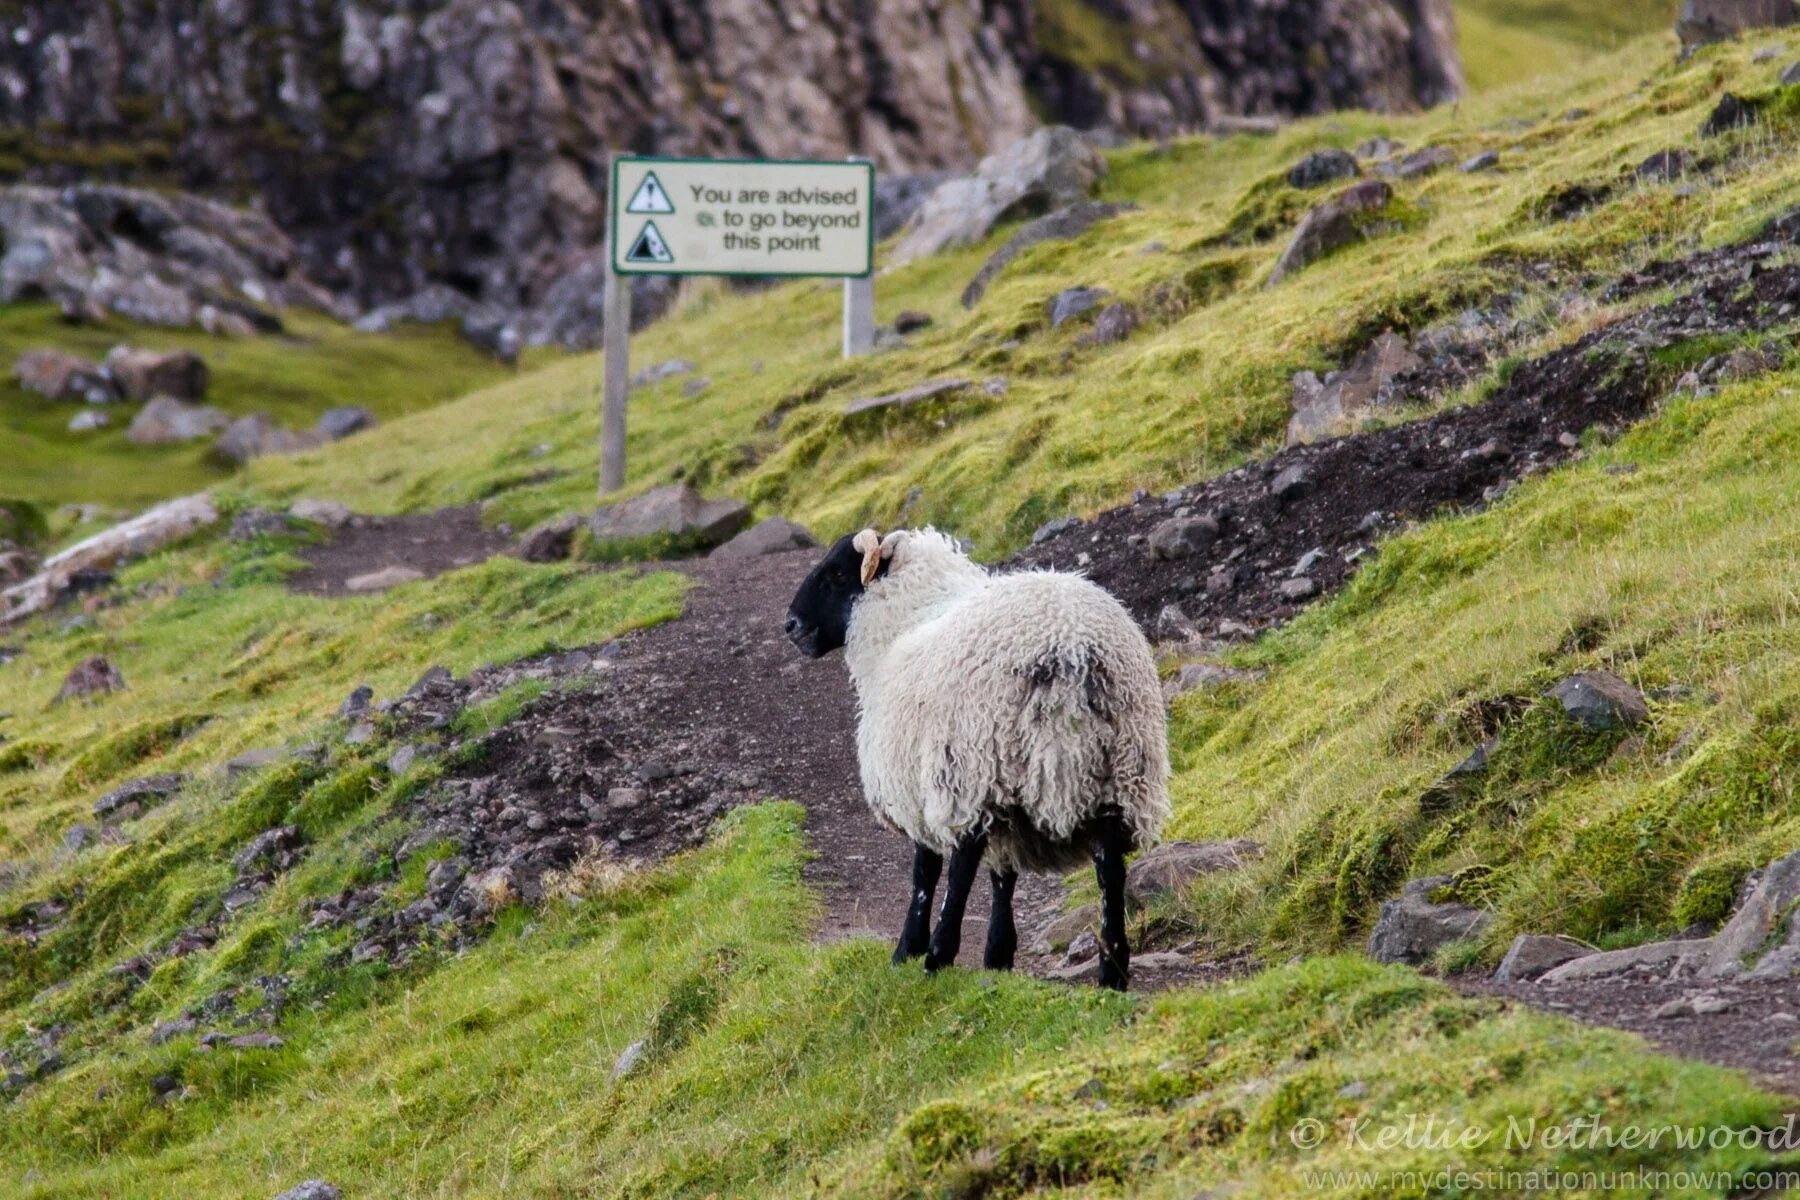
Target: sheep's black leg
(1109,866)
(946,940)
(916,933)
(1002,935)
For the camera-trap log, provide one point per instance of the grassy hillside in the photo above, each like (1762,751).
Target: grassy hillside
(317,364)
(483,1063)
(1509,41)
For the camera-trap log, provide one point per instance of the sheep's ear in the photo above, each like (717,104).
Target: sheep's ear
(868,543)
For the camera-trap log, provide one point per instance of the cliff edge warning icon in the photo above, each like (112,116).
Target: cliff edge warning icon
(649,247)
(650,199)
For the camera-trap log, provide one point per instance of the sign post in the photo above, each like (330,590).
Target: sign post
(698,216)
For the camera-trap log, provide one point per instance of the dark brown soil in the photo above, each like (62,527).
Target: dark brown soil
(1757,1034)
(429,543)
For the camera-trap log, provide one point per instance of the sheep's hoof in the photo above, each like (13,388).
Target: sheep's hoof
(1112,977)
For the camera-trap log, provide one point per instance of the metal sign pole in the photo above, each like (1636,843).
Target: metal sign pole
(615,340)
(859,301)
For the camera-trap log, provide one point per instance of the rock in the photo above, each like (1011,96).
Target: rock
(312,1189)
(87,421)
(1730,113)
(78,838)
(1115,323)
(1051,529)
(95,676)
(1532,954)
(1066,305)
(1419,163)
(169,1030)
(1291,484)
(357,702)
(656,373)
(1173,866)
(1337,405)
(1379,147)
(402,760)
(143,374)
(382,580)
(1665,166)
(911,320)
(494,333)
(256,435)
(1412,927)
(1791,76)
(1059,226)
(433,304)
(1065,928)
(630,1059)
(1747,363)
(1173,625)
(771,535)
(1203,676)
(1296,590)
(489,891)
(69,378)
(1084,946)
(1341,221)
(552,540)
(1085,971)
(277,848)
(1182,537)
(252,523)
(1600,701)
(328,513)
(138,793)
(1050,169)
(1487,160)
(251,761)
(1658,959)
(141,535)
(908,398)
(1761,939)
(1705,21)
(676,511)
(256,1041)
(695,386)
(336,424)
(1322,167)
(166,420)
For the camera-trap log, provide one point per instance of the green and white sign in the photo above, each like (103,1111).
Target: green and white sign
(706,216)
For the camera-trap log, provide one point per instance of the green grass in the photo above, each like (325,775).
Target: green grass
(1505,42)
(316,365)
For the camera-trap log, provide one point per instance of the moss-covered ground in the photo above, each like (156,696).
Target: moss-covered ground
(776,1067)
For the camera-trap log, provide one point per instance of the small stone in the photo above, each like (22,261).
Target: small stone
(1066,305)
(312,1189)
(1308,561)
(337,424)
(256,1041)
(88,420)
(1665,166)
(1181,537)
(1172,866)
(1173,625)
(180,1027)
(1057,935)
(95,676)
(630,1059)
(910,321)
(1532,954)
(1322,167)
(1051,529)
(1601,701)
(771,535)
(357,701)
(1487,160)
(401,761)
(1115,323)
(695,386)
(1371,522)
(552,540)
(1567,440)
(1291,484)
(1082,946)
(1730,113)
(1681,1006)
(1791,76)
(1706,1004)
(328,513)
(1299,589)
(1379,147)
(79,838)
(382,580)
(252,760)
(1412,927)
(1356,1089)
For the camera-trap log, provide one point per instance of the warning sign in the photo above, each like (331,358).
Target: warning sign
(648,246)
(649,199)
(752,217)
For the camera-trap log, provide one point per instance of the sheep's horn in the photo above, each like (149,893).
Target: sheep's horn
(868,542)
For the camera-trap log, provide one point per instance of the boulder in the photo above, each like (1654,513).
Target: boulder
(256,435)
(55,375)
(1344,219)
(1704,21)
(675,511)
(335,424)
(1173,866)
(1052,168)
(1600,701)
(1762,940)
(147,532)
(551,540)
(1322,167)
(1070,303)
(771,535)
(142,374)
(166,421)
(1055,937)
(1061,225)
(1338,403)
(1412,927)
(1182,537)
(1655,959)
(95,676)
(1532,954)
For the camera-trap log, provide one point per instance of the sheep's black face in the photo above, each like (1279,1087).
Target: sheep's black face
(818,620)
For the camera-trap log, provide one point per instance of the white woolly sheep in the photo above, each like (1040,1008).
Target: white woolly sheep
(1017,715)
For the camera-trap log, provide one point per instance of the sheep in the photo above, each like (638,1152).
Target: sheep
(1017,715)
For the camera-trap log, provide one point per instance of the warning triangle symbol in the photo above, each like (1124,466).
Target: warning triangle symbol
(650,197)
(649,246)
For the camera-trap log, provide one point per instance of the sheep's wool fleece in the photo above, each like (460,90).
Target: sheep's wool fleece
(1025,703)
